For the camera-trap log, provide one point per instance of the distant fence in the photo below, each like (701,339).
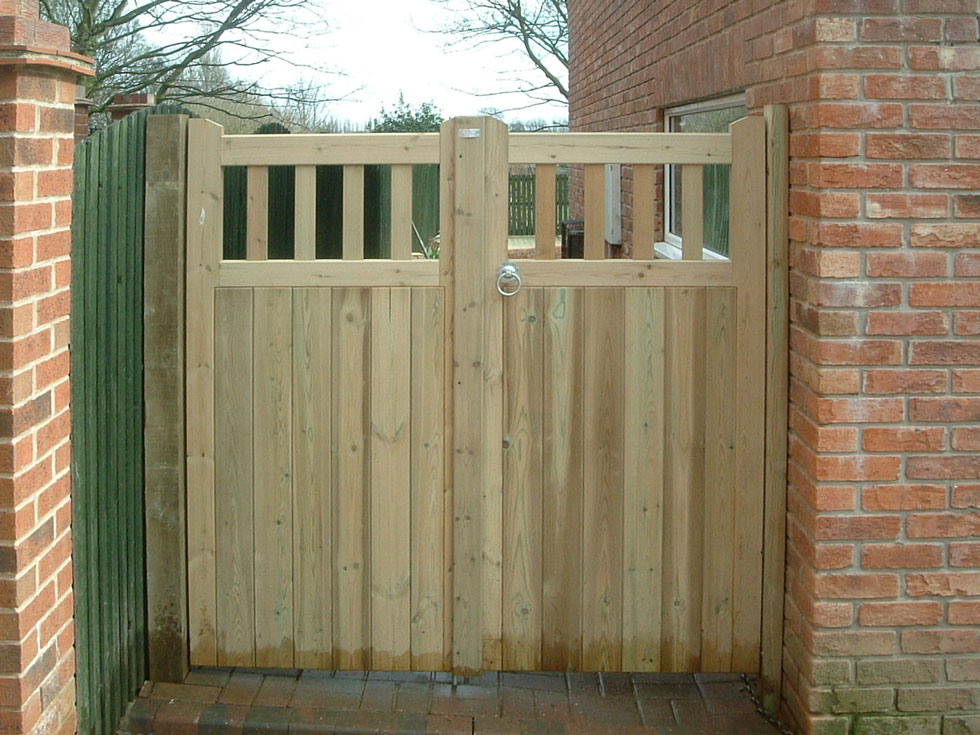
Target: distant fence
(522,199)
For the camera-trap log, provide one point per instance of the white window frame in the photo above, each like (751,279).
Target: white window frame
(671,247)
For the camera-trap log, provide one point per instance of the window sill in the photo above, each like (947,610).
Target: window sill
(669,251)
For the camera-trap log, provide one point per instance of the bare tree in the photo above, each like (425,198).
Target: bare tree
(537,30)
(183,49)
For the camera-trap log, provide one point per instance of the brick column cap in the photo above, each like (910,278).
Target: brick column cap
(125,104)
(22,55)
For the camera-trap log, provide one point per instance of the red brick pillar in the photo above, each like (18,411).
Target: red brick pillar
(126,104)
(37,93)
(883,572)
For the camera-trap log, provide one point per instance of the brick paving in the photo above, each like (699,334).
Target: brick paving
(257,702)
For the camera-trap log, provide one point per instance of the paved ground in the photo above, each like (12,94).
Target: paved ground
(253,702)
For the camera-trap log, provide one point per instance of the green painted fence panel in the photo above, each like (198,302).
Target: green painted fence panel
(107,422)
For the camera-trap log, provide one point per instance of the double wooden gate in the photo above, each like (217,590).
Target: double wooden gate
(393,466)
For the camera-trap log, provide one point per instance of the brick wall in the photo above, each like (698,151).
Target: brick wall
(37,95)
(883,560)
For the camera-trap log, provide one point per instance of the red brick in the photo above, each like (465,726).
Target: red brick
(901,556)
(857,528)
(907,323)
(966,381)
(958,467)
(967,146)
(934,58)
(964,555)
(902,29)
(855,175)
(966,496)
(898,86)
(966,88)
(904,439)
(859,410)
(966,205)
(861,56)
(907,265)
(858,352)
(867,294)
(966,439)
(946,176)
(915,146)
(964,613)
(835,86)
(827,263)
(856,586)
(904,497)
(945,353)
(849,115)
(859,235)
(829,145)
(841,205)
(900,613)
(967,265)
(945,117)
(905,381)
(944,294)
(853,643)
(943,525)
(961,29)
(941,641)
(907,206)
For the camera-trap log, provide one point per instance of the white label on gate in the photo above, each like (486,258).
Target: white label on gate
(204,216)
(469,132)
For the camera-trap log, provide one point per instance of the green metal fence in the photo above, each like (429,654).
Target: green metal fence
(107,423)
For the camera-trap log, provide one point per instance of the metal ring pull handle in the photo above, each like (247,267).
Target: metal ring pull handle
(508,275)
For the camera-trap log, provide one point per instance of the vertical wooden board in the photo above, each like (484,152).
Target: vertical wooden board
(204,214)
(522,477)
(644,480)
(305,217)
(493,250)
(602,538)
(748,254)
(447,279)
(351,478)
(562,456)
(272,467)
(719,476)
(401,212)
(353,245)
(545,211)
(644,210)
(428,550)
(312,490)
(257,216)
(233,477)
(468,387)
(692,211)
(777,397)
(595,211)
(391,488)
(83,434)
(683,479)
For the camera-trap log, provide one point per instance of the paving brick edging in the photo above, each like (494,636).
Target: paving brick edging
(258,702)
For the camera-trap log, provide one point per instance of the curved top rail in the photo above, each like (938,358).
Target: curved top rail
(329,149)
(629,148)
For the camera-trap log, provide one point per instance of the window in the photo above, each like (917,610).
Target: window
(713,116)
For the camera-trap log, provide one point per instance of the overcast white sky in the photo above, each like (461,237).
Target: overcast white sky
(378,44)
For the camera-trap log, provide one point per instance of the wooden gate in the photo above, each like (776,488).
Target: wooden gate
(393,466)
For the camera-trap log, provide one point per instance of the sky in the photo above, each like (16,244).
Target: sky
(383,49)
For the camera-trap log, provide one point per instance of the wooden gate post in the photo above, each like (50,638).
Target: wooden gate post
(474,161)
(163,387)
